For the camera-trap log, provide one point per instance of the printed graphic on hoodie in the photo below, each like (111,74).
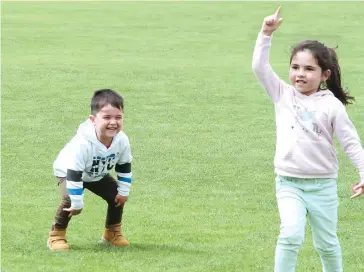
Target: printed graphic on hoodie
(308,119)
(100,163)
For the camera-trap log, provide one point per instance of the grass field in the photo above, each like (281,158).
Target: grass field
(201,128)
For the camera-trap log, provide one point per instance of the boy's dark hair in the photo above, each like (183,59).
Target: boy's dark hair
(327,59)
(106,97)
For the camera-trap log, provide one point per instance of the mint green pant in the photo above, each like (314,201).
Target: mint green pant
(317,200)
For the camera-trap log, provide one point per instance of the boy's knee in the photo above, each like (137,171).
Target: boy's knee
(66,201)
(110,198)
(62,186)
(112,203)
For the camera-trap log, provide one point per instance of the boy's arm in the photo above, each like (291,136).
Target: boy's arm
(124,175)
(75,188)
(349,139)
(76,164)
(123,169)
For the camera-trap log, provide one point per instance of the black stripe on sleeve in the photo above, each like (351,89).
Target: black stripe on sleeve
(123,168)
(73,175)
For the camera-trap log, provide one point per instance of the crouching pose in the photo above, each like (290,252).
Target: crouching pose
(85,163)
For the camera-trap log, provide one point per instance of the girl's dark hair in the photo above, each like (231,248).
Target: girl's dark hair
(327,59)
(106,97)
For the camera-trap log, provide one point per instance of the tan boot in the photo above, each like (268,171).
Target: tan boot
(113,236)
(57,240)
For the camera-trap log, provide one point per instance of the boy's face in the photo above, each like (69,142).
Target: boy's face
(108,122)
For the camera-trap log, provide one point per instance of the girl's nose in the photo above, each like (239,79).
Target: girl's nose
(302,71)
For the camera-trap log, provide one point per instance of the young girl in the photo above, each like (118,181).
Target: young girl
(308,113)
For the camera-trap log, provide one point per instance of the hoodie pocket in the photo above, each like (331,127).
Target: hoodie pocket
(315,157)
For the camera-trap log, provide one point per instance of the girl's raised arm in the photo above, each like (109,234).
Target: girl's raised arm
(261,66)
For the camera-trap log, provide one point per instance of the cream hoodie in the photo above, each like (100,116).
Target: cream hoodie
(306,124)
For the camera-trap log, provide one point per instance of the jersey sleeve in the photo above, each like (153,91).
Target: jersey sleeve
(267,78)
(76,164)
(123,169)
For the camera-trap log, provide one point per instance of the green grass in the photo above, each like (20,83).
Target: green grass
(201,128)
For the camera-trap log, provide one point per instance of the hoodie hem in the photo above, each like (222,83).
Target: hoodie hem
(294,174)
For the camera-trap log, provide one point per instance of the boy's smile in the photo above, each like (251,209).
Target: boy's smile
(108,122)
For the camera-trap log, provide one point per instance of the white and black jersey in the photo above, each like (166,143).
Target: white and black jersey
(86,159)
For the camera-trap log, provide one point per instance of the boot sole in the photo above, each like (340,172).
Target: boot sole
(52,249)
(106,242)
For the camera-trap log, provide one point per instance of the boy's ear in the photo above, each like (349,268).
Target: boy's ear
(92,118)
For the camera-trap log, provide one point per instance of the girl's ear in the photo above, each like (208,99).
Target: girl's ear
(325,75)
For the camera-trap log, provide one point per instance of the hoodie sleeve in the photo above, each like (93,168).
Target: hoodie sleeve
(267,78)
(349,138)
(123,168)
(76,164)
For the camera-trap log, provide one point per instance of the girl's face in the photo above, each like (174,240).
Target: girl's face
(305,73)
(108,122)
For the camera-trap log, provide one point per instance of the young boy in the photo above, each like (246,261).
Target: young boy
(85,162)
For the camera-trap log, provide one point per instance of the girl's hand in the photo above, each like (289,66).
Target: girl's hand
(271,23)
(358,189)
(72,211)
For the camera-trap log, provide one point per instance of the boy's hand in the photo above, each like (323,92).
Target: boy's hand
(271,23)
(72,211)
(120,200)
(358,189)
